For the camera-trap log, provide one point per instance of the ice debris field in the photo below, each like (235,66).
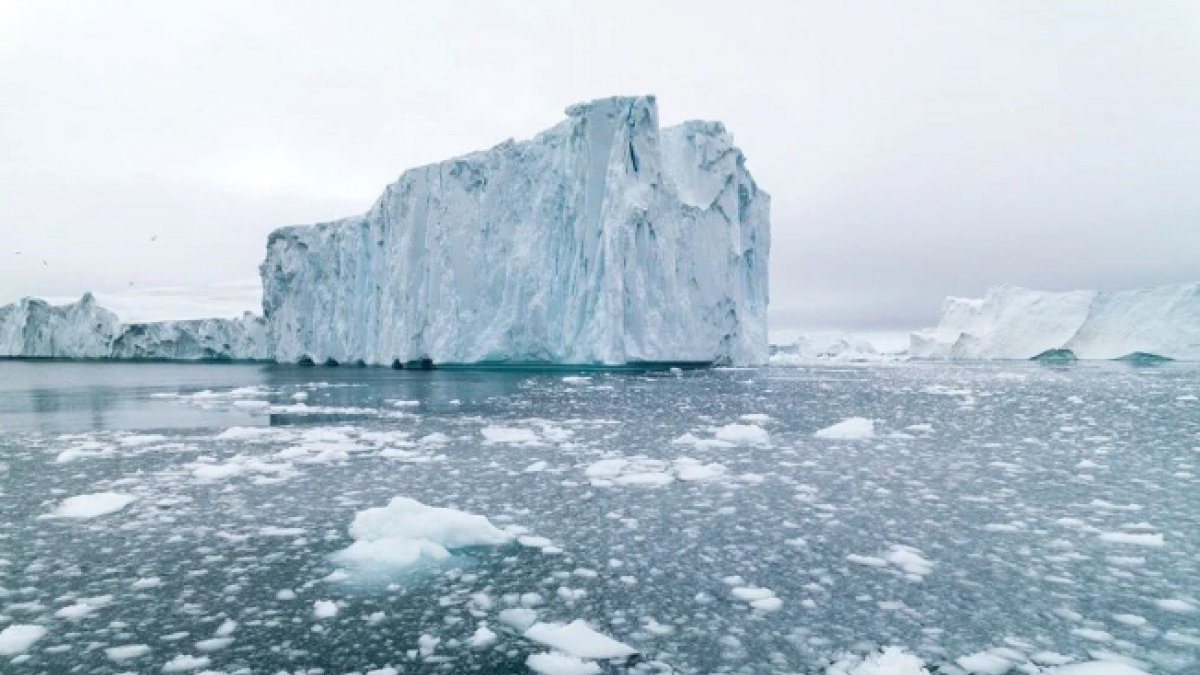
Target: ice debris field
(892,519)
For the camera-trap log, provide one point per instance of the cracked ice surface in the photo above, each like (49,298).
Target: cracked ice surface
(1000,516)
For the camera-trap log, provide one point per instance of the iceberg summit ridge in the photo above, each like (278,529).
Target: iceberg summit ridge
(1011,322)
(603,240)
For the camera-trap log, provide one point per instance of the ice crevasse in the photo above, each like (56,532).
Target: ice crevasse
(603,240)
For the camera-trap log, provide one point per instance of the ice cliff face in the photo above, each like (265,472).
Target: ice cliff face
(603,240)
(1018,323)
(35,328)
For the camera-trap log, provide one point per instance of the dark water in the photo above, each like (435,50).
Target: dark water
(1016,512)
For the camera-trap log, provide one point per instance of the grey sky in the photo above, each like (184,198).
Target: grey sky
(913,149)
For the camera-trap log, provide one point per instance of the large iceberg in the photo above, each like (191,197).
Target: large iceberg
(603,240)
(1019,323)
(34,328)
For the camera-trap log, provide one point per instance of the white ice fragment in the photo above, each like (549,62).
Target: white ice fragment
(19,637)
(554,663)
(126,652)
(324,609)
(578,639)
(1133,538)
(185,662)
(743,434)
(482,638)
(406,532)
(850,429)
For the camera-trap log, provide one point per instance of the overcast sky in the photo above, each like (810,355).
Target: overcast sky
(913,150)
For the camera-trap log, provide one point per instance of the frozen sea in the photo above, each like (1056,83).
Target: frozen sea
(981,517)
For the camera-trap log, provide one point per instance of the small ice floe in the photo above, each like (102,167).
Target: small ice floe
(985,663)
(577,379)
(728,436)
(763,599)
(520,618)
(493,435)
(742,434)
(93,505)
(644,472)
(1098,668)
(536,467)
(126,652)
(888,661)
(554,663)
(404,404)
(185,662)
(1175,605)
(406,532)
(907,559)
(578,639)
(19,637)
(83,608)
(850,429)
(482,638)
(1133,538)
(324,609)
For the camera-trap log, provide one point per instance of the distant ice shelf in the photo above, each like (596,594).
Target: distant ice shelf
(1141,325)
(603,240)
(34,328)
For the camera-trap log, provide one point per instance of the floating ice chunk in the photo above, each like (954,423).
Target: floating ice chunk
(482,638)
(536,467)
(19,637)
(850,429)
(126,652)
(689,470)
(910,561)
(554,663)
(578,639)
(511,435)
(1176,605)
(406,532)
(984,663)
(1098,668)
(325,609)
(214,644)
(185,662)
(889,661)
(519,618)
(1134,538)
(866,560)
(743,434)
(577,379)
(83,608)
(93,505)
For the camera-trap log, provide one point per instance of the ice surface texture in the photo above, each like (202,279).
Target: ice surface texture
(603,240)
(84,329)
(1018,323)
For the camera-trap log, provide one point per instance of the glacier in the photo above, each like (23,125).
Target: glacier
(1010,322)
(34,328)
(604,240)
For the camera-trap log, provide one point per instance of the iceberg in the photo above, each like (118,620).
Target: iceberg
(825,347)
(604,240)
(33,328)
(1009,322)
